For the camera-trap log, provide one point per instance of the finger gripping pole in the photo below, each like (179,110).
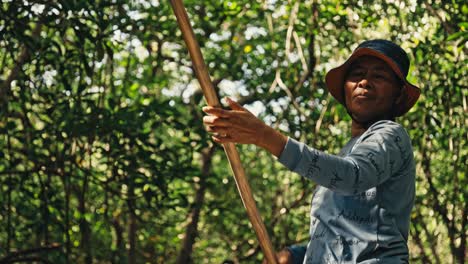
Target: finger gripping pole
(203,77)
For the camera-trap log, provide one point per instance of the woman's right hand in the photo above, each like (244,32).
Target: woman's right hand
(238,125)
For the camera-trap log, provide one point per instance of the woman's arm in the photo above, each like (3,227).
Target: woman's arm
(382,150)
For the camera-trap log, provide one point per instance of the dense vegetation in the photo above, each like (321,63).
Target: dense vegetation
(103,157)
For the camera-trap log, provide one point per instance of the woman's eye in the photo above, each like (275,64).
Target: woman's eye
(381,77)
(357,73)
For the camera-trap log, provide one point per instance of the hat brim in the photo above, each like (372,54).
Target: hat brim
(335,80)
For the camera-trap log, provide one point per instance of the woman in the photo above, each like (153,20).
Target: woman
(361,208)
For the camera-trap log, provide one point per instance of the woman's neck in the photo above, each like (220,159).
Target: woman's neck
(357,128)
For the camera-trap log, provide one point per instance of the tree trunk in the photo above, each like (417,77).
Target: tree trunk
(66,187)
(191,232)
(84,225)
(117,256)
(132,233)
(9,206)
(132,227)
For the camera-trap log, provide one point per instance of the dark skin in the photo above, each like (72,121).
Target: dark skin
(371,91)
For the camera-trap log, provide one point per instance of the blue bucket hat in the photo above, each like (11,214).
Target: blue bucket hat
(390,53)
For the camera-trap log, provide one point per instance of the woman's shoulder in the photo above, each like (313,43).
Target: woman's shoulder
(387,127)
(387,130)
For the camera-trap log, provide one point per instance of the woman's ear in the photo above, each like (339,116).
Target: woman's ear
(402,96)
(399,101)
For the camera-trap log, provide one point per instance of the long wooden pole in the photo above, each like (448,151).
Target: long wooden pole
(203,77)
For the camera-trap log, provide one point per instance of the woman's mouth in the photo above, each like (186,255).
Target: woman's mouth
(360,96)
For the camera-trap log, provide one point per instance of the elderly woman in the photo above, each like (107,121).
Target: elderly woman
(361,207)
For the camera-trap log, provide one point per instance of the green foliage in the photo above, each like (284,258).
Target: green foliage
(103,155)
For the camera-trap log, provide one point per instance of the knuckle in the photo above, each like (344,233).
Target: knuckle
(215,120)
(206,119)
(226,112)
(212,120)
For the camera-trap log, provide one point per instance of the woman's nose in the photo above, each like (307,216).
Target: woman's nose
(363,83)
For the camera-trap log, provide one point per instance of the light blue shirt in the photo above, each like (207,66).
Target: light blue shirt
(361,207)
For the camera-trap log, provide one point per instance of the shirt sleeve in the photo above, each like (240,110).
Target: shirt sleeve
(383,150)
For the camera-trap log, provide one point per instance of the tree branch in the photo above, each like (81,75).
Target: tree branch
(22,58)
(14,256)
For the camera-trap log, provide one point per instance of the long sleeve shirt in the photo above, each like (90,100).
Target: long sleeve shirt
(361,207)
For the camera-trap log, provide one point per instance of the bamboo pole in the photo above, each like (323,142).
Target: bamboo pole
(203,77)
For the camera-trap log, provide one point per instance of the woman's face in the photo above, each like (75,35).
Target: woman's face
(371,89)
